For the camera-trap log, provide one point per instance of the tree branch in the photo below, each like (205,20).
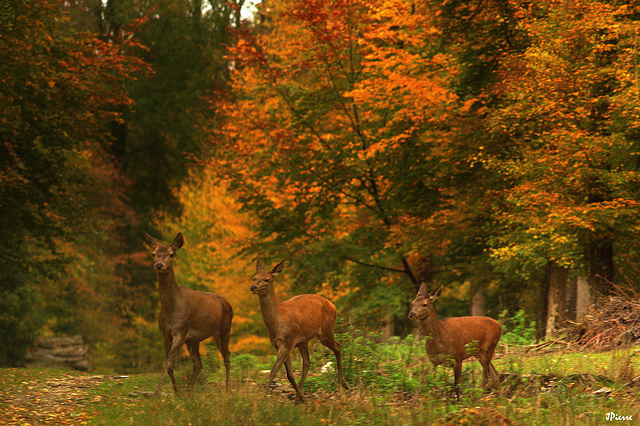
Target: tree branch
(371,265)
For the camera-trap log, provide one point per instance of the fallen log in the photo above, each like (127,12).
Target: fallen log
(60,352)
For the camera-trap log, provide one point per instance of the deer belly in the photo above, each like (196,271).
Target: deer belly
(438,355)
(197,335)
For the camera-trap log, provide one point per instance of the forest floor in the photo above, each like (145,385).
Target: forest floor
(556,387)
(48,396)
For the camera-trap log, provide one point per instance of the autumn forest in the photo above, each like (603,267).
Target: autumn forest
(491,146)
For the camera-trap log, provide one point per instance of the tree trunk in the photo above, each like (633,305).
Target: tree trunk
(571,299)
(556,297)
(583,297)
(478,303)
(601,267)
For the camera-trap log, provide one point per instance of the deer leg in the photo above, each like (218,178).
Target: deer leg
(292,380)
(457,372)
(283,353)
(495,377)
(194,351)
(223,346)
(489,371)
(330,342)
(167,348)
(306,361)
(174,343)
(416,394)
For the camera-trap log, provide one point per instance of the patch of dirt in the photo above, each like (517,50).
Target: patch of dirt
(61,400)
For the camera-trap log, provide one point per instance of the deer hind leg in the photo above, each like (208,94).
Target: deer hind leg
(222,343)
(489,371)
(328,339)
(306,361)
(194,351)
(495,377)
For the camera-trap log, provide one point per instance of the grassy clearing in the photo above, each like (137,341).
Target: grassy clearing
(560,387)
(554,388)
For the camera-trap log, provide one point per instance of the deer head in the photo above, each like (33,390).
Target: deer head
(263,279)
(163,253)
(422,305)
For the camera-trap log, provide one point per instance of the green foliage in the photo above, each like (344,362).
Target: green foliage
(516,329)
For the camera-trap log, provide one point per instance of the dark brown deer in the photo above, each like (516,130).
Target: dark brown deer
(293,323)
(187,316)
(452,340)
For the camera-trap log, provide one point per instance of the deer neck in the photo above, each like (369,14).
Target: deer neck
(269,309)
(432,326)
(169,290)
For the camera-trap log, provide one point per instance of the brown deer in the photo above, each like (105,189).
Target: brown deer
(187,316)
(293,323)
(452,340)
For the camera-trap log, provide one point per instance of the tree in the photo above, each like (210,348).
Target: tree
(336,140)
(568,112)
(58,87)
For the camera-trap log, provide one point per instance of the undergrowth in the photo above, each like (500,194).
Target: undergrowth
(383,374)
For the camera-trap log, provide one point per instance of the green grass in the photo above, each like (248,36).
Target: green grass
(561,387)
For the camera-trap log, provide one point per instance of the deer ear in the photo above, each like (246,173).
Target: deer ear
(436,293)
(259,266)
(277,269)
(423,290)
(151,242)
(178,241)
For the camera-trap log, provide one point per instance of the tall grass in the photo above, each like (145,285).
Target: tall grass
(556,388)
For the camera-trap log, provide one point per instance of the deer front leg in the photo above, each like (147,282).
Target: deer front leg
(457,373)
(292,380)
(283,353)
(416,394)
(175,343)
(167,348)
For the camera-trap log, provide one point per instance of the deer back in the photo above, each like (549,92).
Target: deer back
(307,315)
(206,310)
(465,336)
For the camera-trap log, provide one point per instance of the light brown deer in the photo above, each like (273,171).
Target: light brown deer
(187,316)
(454,339)
(293,323)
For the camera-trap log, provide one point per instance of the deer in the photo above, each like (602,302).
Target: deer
(453,340)
(293,323)
(187,316)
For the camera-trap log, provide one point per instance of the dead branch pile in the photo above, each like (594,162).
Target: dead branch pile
(614,324)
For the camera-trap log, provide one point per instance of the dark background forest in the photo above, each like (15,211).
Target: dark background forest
(491,146)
